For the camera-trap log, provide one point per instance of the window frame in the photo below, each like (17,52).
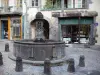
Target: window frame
(4,3)
(15,27)
(19,3)
(34,4)
(83,6)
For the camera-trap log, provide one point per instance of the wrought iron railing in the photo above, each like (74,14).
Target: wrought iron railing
(9,9)
(50,5)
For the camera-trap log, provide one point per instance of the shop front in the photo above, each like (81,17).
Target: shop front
(16,28)
(10,26)
(75,29)
(76,26)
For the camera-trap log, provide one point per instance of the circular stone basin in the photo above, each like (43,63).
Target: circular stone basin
(39,51)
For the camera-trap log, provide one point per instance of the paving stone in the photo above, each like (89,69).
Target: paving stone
(92,62)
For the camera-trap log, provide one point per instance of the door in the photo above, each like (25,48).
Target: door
(2,30)
(4,27)
(75,33)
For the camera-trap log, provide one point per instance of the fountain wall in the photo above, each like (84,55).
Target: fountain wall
(38,51)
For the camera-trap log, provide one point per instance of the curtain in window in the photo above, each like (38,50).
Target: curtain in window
(70,3)
(78,3)
(74,3)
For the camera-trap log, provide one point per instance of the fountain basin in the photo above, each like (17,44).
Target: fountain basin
(38,51)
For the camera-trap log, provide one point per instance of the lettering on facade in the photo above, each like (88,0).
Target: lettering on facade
(65,14)
(74,14)
(56,14)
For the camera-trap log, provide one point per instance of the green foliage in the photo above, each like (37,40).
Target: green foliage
(48,4)
(52,5)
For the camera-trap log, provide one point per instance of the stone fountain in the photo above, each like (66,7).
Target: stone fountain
(37,50)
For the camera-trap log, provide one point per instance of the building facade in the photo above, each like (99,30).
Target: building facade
(73,21)
(11,19)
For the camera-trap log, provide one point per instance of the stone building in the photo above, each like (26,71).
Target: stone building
(10,19)
(73,21)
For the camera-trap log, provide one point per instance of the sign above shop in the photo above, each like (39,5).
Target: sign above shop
(74,14)
(65,14)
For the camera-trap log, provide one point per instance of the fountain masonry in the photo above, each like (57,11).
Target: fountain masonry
(39,49)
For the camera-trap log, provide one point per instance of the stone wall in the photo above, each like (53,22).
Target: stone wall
(95,7)
(53,24)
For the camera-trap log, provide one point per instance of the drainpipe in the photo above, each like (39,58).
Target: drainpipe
(23,18)
(62,6)
(27,28)
(62,12)
(79,30)
(92,39)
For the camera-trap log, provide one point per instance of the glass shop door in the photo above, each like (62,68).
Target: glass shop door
(4,27)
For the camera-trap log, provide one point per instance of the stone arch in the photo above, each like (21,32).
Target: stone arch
(46,26)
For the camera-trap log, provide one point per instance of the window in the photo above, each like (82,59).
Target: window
(34,3)
(78,3)
(4,2)
(83,3)
(16,31)
(19,3)
(74,3)
(56,3)
(53,4)
(70,33)
(16,28)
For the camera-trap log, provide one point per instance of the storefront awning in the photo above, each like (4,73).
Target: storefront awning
(75,20)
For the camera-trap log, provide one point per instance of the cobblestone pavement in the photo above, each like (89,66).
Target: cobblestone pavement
(92,63)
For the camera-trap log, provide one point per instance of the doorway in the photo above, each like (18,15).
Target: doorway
(4,27)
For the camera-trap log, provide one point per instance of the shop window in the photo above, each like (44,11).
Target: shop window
(16,28)
(84,31)
(75,3)
(72,34)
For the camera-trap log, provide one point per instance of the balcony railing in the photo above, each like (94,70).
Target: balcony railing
(11,9)
(52,6)
(58,5)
